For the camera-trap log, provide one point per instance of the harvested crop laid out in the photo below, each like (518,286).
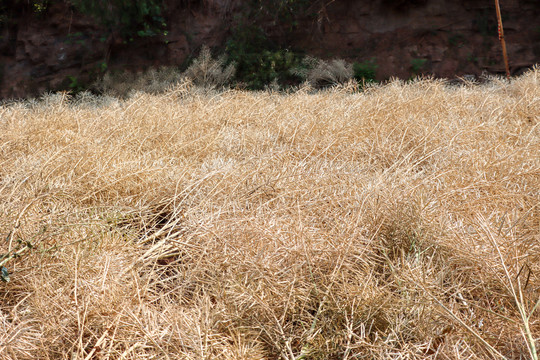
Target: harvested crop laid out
(397,222)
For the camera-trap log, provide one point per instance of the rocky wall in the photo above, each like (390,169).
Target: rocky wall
(62,49)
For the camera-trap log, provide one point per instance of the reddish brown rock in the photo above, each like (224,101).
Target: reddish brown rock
(449,38)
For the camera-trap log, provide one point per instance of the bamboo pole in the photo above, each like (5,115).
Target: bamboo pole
(501,38)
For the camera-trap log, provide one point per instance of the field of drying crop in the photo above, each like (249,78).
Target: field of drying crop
(401,222)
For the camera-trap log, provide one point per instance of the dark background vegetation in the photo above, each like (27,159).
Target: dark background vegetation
(68,44)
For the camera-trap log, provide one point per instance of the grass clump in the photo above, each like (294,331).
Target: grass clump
(399,222)
(206,71)
(153,81)
(321,73)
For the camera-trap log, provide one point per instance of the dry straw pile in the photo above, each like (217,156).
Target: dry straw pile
(401,222)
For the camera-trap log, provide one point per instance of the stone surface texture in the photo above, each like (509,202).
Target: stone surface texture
(404,38)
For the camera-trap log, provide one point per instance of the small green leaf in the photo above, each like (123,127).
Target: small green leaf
(4,274)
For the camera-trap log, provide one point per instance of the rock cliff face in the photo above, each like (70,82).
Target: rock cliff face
(60,48)
(440,37)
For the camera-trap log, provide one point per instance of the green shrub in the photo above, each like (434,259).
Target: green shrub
(259,61)
(365,71)
(129,18)
(417,65)
(10,9)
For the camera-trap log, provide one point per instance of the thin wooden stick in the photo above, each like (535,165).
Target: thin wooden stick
(501,38)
